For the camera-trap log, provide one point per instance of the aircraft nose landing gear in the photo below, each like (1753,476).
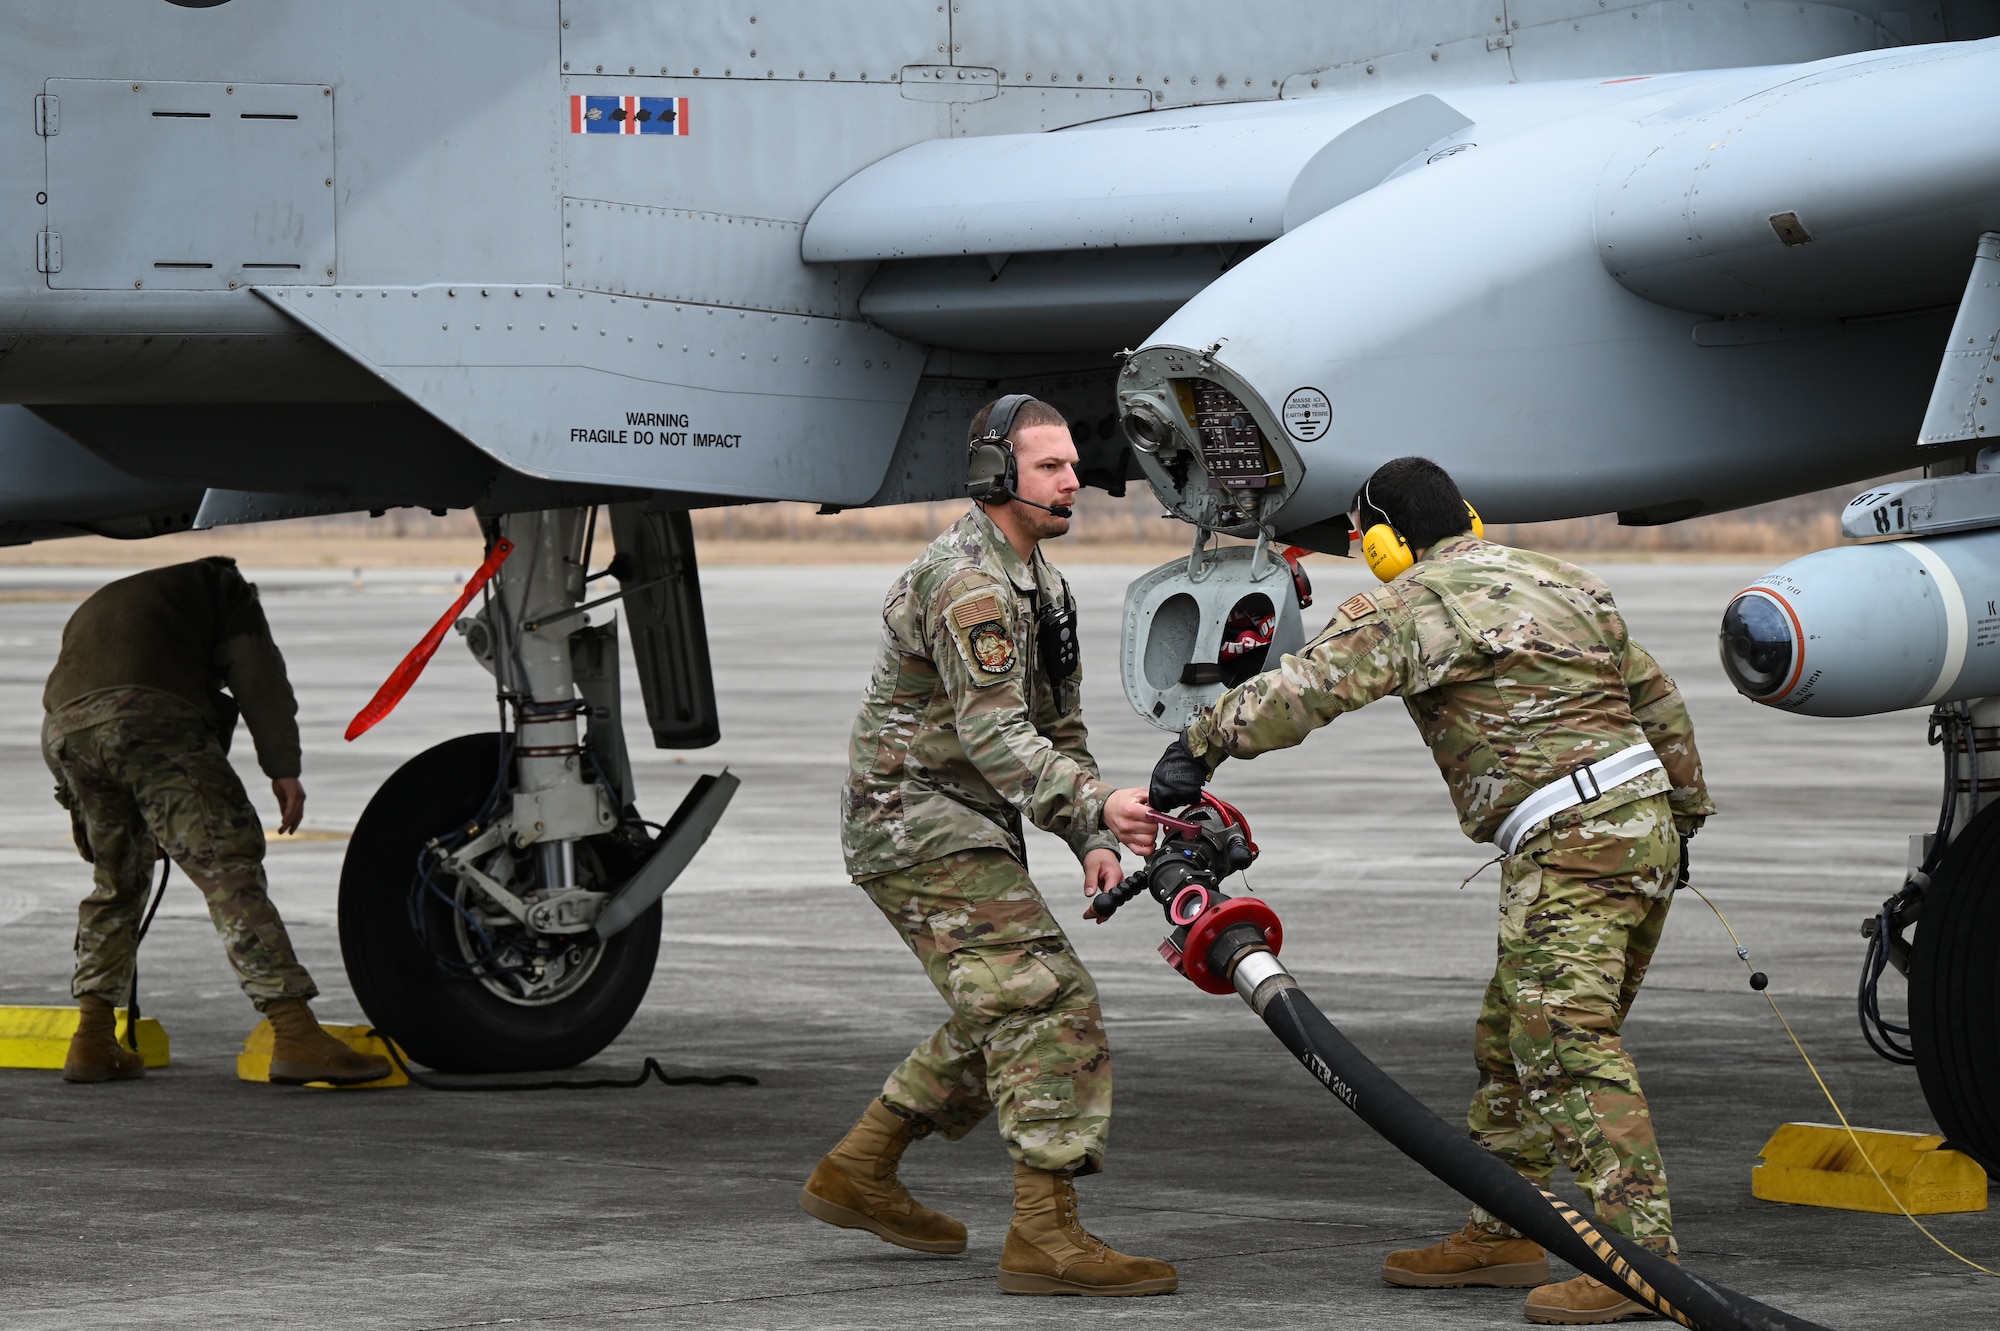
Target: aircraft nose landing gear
(1224,943)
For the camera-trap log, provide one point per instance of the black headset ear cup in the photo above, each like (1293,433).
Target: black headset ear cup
(989,473)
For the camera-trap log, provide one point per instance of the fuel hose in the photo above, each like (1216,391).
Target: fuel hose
(1455,1159)
(1223,943)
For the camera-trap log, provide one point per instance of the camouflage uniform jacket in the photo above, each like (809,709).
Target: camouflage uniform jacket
(186,631)
(1516,667)
(961,733)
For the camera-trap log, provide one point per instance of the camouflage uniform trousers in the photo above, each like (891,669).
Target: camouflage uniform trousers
(140,770)
(1582,907)
(1025,1036)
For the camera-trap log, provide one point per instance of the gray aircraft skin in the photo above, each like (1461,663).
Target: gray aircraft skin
(273,258)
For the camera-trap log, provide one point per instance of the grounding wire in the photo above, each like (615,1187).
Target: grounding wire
(1743,954)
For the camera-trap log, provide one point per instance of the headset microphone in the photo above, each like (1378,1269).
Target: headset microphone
(991,475)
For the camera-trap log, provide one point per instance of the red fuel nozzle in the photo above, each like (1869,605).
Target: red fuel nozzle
(1200,847)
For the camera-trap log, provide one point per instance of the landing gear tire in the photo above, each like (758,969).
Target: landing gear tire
(558,1001)
(1955,992)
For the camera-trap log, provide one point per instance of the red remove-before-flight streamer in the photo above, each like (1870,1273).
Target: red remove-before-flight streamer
(404,675)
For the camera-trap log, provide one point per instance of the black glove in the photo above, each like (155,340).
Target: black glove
(1177,777)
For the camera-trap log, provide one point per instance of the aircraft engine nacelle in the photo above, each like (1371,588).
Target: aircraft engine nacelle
(1863,629)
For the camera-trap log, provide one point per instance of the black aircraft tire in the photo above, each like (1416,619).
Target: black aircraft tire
(449,1023)
(1955,992)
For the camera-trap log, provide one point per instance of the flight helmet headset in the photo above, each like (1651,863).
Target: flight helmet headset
(992,476)
(1389,555)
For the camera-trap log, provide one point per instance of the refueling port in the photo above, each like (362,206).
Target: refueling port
(1211,450)
(1145,429)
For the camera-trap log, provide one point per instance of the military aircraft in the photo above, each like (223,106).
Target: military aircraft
(542,258)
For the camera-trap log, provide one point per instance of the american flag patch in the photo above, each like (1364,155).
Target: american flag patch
(978,610)
(628,115)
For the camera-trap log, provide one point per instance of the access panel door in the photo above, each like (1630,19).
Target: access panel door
(191,186)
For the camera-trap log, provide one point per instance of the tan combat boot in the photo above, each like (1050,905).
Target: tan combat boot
(94,1051)
(1048,1251)
(1469,1257)
(855,1186)
(1585,1301)
(302,1052)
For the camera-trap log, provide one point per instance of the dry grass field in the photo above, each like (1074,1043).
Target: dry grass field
(1131,530)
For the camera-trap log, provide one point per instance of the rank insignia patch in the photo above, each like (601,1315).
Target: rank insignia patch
(992,648)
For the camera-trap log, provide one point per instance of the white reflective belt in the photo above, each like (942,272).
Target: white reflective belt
(1582,786)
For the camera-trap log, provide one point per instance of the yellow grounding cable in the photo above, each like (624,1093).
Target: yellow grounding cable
(1743,954)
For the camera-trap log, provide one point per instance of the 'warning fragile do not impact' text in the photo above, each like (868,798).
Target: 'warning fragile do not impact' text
(667,429)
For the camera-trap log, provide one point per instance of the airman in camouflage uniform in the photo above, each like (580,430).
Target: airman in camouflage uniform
(136,735)
(1518,671)
(964,730)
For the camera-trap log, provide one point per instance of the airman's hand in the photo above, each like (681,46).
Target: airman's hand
(291,803)
(1101,872)
(1125,816)
(1177,778)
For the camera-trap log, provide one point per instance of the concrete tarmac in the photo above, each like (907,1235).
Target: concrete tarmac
(190,1199)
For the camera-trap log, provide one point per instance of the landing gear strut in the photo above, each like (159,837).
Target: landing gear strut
(499,905)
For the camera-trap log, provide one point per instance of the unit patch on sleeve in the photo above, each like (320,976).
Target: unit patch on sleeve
(992,648)
(978,623)
(1357,605)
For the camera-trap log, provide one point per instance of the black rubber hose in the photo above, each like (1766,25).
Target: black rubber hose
(1457,1160)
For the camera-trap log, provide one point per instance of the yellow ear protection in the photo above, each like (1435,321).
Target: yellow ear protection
(1387,553)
